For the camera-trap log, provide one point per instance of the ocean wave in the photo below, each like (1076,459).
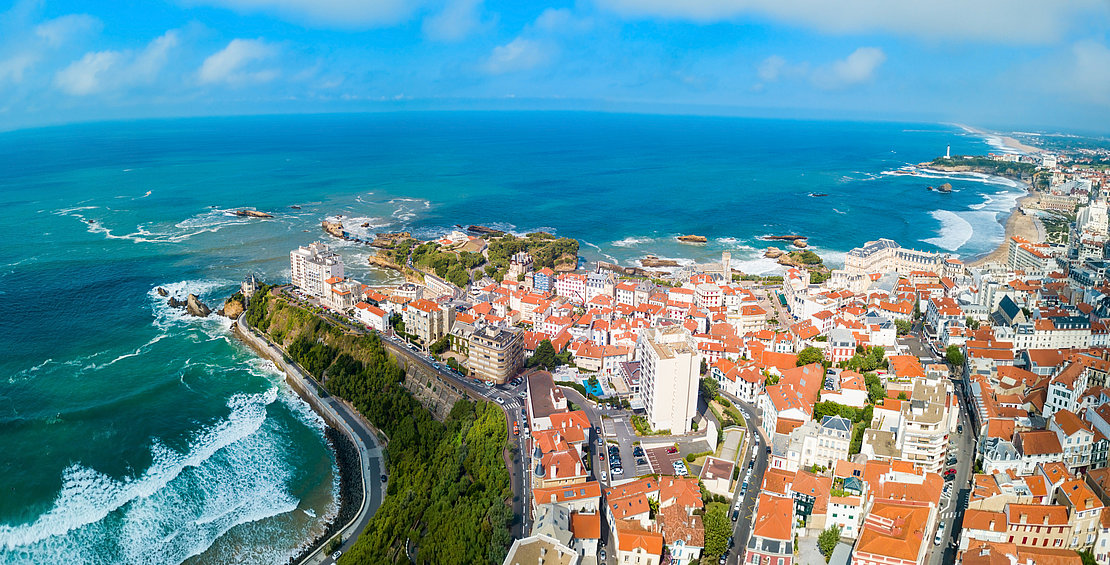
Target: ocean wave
(954,230)
(632,241)
(600,251)
(758,266)
(88,496)
(986,201)
(967,176)
(207,222)
(205,289)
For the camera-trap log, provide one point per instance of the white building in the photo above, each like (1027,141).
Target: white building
(668,377)
(372,316)
(312,266)
(830,444)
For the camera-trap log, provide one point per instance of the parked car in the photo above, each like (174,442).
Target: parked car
(638,451)
(940,534)
(603,554)
(672,449)
(960,429)
(641,461)
(735,514)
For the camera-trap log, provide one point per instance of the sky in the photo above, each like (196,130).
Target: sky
(1006,64)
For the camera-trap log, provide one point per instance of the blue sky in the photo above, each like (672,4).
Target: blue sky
(998,63)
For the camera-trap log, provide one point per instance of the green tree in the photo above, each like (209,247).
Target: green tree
(972,323)
(544,355)
(954,356)
(903,326)
(704,366)
(441,345)
(827,541)
(709,388)
(875,389)
(810,355)
(717,529)
(1087,557)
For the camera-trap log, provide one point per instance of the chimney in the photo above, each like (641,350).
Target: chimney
(577,468)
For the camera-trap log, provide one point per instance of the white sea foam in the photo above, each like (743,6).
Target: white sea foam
(88,496)
(600,251)
(166,317)
(758,266)
(206,222)
(954,230)
(632,241)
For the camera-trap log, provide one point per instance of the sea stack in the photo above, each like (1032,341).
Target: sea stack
(195,307)
(253,214)
(692,238)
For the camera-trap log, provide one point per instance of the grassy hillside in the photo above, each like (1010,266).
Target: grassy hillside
(448,487)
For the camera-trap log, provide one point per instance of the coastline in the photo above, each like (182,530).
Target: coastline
(1017,224)
(350,493)
(353,495)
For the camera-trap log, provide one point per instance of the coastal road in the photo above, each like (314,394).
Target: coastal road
(350,423)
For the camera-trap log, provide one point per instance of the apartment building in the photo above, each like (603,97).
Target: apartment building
(668,377)
(311,267)
(926,420)
(428,320)
(495,353)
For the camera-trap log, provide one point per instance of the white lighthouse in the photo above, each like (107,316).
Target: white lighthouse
(948,152)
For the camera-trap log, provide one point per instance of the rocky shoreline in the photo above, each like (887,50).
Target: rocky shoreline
(350,490)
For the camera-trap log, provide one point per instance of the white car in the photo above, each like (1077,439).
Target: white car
(500,400)
(604,477)
(940,534)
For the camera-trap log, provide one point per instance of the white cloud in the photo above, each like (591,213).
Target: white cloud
(60,30)
(87,74)
(561,20)
(1090,75)
(771,68)
(457,20)
(344,14)
(101,71)
(231,64)
(1002,21)
(12,68)
(519,54)
(858,67)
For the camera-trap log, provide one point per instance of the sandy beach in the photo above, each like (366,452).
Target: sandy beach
(1018,224)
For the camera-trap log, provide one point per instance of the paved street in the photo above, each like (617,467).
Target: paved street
(952,508)
(741,529)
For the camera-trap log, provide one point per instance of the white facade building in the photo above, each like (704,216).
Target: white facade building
(312,266)
(668,377)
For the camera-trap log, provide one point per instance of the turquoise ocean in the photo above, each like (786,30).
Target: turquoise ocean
(131,433)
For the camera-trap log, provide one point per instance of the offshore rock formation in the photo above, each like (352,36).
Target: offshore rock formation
(692,238)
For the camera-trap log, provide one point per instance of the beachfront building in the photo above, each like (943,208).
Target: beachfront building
(668,377)
(885,255)
(312,266)
(495,353)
